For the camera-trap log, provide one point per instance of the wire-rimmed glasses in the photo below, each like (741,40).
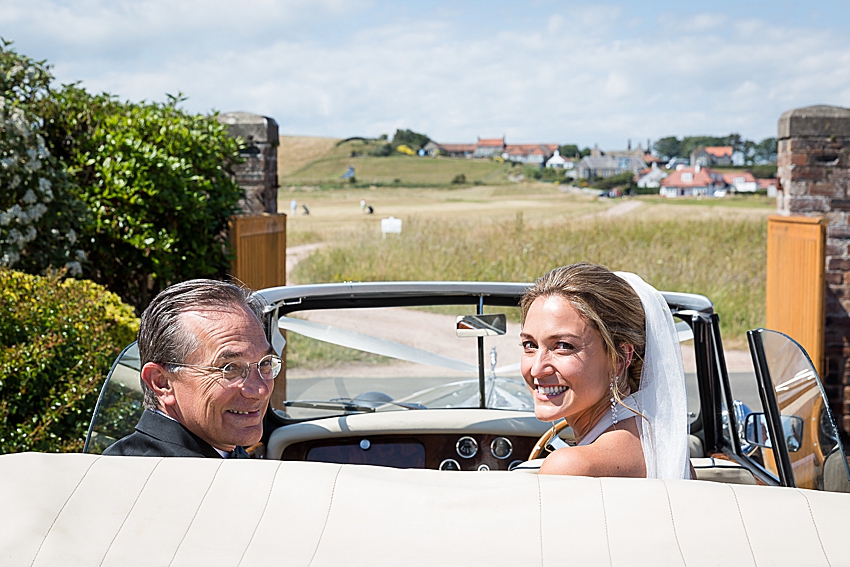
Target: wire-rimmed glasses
(235,373)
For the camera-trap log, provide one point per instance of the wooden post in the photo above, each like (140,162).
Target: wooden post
(259,242)
(795,281)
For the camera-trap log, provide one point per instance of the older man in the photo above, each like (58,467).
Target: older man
(207,373)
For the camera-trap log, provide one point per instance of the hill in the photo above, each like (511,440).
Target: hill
(295,152)
(323,163)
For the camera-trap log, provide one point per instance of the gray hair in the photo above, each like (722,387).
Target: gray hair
(162,336)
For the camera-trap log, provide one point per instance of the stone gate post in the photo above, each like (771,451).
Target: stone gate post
(814,177)
(257,175)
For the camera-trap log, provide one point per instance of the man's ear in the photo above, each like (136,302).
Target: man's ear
(159,381)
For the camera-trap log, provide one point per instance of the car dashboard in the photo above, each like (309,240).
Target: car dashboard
(446,439)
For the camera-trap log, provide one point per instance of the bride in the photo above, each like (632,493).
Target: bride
(601,351)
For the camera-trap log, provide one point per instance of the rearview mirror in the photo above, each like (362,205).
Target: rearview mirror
(756,432)
(482,325)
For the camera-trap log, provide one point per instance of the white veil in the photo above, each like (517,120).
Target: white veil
(661,397)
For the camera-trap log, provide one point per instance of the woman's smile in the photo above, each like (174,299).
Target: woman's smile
(564,362)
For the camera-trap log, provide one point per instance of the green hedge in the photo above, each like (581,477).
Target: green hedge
(58,339)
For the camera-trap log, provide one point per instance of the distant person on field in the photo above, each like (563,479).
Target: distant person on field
(369,209)
(306,210)
(207,373)
(293,206)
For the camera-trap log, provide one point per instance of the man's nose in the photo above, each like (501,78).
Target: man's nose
(255,386)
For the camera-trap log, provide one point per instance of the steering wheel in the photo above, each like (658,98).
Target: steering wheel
(556,429)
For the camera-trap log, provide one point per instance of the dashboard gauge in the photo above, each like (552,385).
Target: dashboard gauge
(449,465)
(365,444)
(501,447)
(467,447)
(483,467)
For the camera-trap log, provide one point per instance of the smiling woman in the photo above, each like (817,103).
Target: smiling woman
(587,361)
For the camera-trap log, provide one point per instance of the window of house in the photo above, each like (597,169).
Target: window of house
(687,177)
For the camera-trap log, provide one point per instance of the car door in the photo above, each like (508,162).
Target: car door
(795,435)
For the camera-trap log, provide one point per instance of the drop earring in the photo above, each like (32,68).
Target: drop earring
(614,401)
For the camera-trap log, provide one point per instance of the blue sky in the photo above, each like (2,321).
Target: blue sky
(539,71)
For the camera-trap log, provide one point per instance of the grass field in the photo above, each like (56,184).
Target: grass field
(395,170)
(518,232)
(500,230)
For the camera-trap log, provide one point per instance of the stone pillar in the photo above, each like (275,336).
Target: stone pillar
(257,175)
(814,180)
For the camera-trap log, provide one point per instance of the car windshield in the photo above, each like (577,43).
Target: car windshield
(396,358)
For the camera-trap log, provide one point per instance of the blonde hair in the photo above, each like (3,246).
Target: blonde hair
(605,301)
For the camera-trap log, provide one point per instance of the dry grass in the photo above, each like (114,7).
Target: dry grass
(480,235)
(296,152)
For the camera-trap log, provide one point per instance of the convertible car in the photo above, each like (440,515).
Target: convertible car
(401,432)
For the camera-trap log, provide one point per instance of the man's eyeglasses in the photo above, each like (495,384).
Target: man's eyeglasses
(235,373)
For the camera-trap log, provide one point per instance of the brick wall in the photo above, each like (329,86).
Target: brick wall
(814,176)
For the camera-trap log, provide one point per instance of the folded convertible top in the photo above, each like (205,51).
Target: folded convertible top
(75,509)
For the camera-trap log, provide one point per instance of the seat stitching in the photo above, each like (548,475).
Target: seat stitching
(130,511)
(605,520)
(817,532)
(59,513)
(195,515)
(540,516)
(327,517)
(673,521)
(263,515)
(741,516)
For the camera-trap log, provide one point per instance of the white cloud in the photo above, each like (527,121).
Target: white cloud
(580,73)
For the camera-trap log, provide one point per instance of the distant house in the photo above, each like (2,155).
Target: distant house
(606,166)
(489,147)
(741,181)
(534,154)
(705,156)
(557,161)
(651,177)
(692,181)
(768,185)
(451,150)
(433,149)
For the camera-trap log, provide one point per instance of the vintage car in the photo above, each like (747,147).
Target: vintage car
(401,432)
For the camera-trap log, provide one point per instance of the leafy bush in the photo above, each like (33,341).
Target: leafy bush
(409,138)
(157,185)
(459,179)
(57,341)
(625,180)
(39,219)
(766,171)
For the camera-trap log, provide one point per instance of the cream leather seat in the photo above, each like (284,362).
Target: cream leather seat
(87,510)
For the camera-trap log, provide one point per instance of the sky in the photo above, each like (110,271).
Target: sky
(539,71)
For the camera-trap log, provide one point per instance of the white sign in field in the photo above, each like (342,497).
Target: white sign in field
(390,225)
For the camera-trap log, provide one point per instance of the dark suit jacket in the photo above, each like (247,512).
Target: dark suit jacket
(159,436)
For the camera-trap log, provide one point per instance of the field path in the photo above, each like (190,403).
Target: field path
(619,209)
(295,254)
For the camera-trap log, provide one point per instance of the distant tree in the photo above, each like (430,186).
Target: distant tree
(585,152)
(667,147)
(410,139)
(765,151)
(690,143)
(569,150)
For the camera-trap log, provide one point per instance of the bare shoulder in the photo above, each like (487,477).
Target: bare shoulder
(617,452)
